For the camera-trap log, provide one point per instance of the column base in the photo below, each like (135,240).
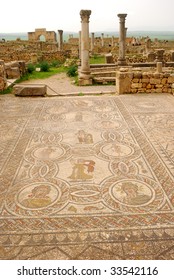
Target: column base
(85,82)
(85,78)
(121,62)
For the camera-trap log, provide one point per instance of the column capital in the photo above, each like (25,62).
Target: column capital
(122,17)
(85,14)
(60,31)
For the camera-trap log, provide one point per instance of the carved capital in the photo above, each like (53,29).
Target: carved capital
(85,14)
(122,17)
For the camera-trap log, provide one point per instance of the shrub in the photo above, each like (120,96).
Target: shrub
(55,63)
(44,66)
(72,71)
(30,68)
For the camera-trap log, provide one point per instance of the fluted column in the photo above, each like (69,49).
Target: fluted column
(60,39)
(84,73)
(122,43)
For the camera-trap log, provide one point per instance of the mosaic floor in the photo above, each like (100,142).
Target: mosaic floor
(87,177)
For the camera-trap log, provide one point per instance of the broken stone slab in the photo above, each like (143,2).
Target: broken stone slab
(30,90)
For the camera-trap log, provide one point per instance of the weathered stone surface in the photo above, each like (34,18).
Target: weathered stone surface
(150,82)
(30,90)
(171,79)
(136,85)
(155,81)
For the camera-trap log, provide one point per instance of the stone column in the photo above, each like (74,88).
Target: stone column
(148,45)
(92,41)
(3,81)
(79,44)
(159,67)
(122,45)
(112,42)
(102,39)
(60,39)
(125,32)
(84,72)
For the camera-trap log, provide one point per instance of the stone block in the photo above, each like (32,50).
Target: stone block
(164,81)
(145,80)
(149,86)
(171,79)
(144,85)
(133,90)
(165,89)
(158,90)
(137,75)
(155,81)
(159,85)
(13,73)
(136,85)
(30,90)
(135,80)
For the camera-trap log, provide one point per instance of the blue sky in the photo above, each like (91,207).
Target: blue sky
(24,16)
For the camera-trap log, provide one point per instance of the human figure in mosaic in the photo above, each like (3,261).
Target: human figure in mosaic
(82,169)
(84,138)
(38,197)
(134,196)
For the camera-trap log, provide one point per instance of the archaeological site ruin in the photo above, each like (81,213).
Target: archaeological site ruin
(128,57)
(87,161)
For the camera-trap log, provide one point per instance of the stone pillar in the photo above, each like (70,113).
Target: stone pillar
(172,56)
(112,42)
(79,44)
(159,67)
(148,45)
(3,81)
(84,72)
(159,55)
(92,41)
(60,39)
(122,45)
(125,32)
(123,81)
(102,39)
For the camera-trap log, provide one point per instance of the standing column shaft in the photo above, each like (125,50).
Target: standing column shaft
(60,32)
(84,75)
(122,44)
(80,44)
(92,41)
(102,39)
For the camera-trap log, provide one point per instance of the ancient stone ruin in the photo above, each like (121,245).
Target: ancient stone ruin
(119,52)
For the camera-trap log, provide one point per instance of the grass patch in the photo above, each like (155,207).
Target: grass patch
(7,90)
(42,75)
(96,59)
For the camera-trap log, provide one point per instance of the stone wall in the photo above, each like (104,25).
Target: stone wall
(3,81)
(129,81)
(30,51)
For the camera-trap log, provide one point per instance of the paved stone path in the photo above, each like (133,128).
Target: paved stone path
(87,177)
(63,85)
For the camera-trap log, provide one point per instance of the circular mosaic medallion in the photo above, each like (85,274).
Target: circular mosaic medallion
(49,152)
(116,150)
(132,193)
(38,195)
